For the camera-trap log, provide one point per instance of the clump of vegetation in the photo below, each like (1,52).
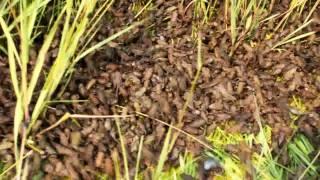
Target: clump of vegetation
(246,15)
(188,166)
(203,12)
(265,164)
(299,151)
(298,108)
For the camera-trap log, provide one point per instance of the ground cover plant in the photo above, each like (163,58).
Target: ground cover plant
(152,89)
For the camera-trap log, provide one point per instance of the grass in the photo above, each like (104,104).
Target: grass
(79,19)
(296,8)
(172,137)
(203,12)
(299,150)
(291,37)
(187,166)
(265,164)
(245,16)
(141,8)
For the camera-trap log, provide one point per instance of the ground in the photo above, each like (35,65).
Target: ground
(150,71)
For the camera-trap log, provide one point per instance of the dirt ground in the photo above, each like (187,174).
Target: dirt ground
(150,70)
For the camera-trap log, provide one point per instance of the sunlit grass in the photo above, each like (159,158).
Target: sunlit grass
(187,166)
(79,17)
(293,35)
(266,164)
(298,108)
(245,16)
(262,161)
(299,150)
(203,12)
(296,8)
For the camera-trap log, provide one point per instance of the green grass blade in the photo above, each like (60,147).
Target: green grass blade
(106,41)
(163,155)
(11,57)
(309,166)
(138,158)
(42,55)
(10,41)
(18,117)
(3,49)
(123,149)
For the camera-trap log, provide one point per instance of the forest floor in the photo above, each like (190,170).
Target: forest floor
(147,74)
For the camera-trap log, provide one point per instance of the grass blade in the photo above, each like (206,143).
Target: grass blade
(123,149)
(42,55)
(106,41)
(138,158)
(309,166)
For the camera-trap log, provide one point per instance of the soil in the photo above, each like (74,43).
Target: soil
(150,70)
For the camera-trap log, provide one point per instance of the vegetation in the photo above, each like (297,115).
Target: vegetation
(74,24)
(85,15)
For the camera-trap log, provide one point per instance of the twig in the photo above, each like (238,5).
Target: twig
(79,116)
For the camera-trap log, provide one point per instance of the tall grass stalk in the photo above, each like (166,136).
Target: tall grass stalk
(171,137)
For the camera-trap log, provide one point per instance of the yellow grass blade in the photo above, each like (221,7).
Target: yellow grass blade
(312,10)
(11,57)
(14,165)
(97,17)
(144,7)
(298,37)
(289,38)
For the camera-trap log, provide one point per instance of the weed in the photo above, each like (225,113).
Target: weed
(171,137)
(299,150)
(187,166)
(265,164)
(101,176)
(246,15)
(296,8)
(298,108)
(203,11)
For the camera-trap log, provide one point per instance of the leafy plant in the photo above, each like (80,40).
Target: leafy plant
(299,150)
